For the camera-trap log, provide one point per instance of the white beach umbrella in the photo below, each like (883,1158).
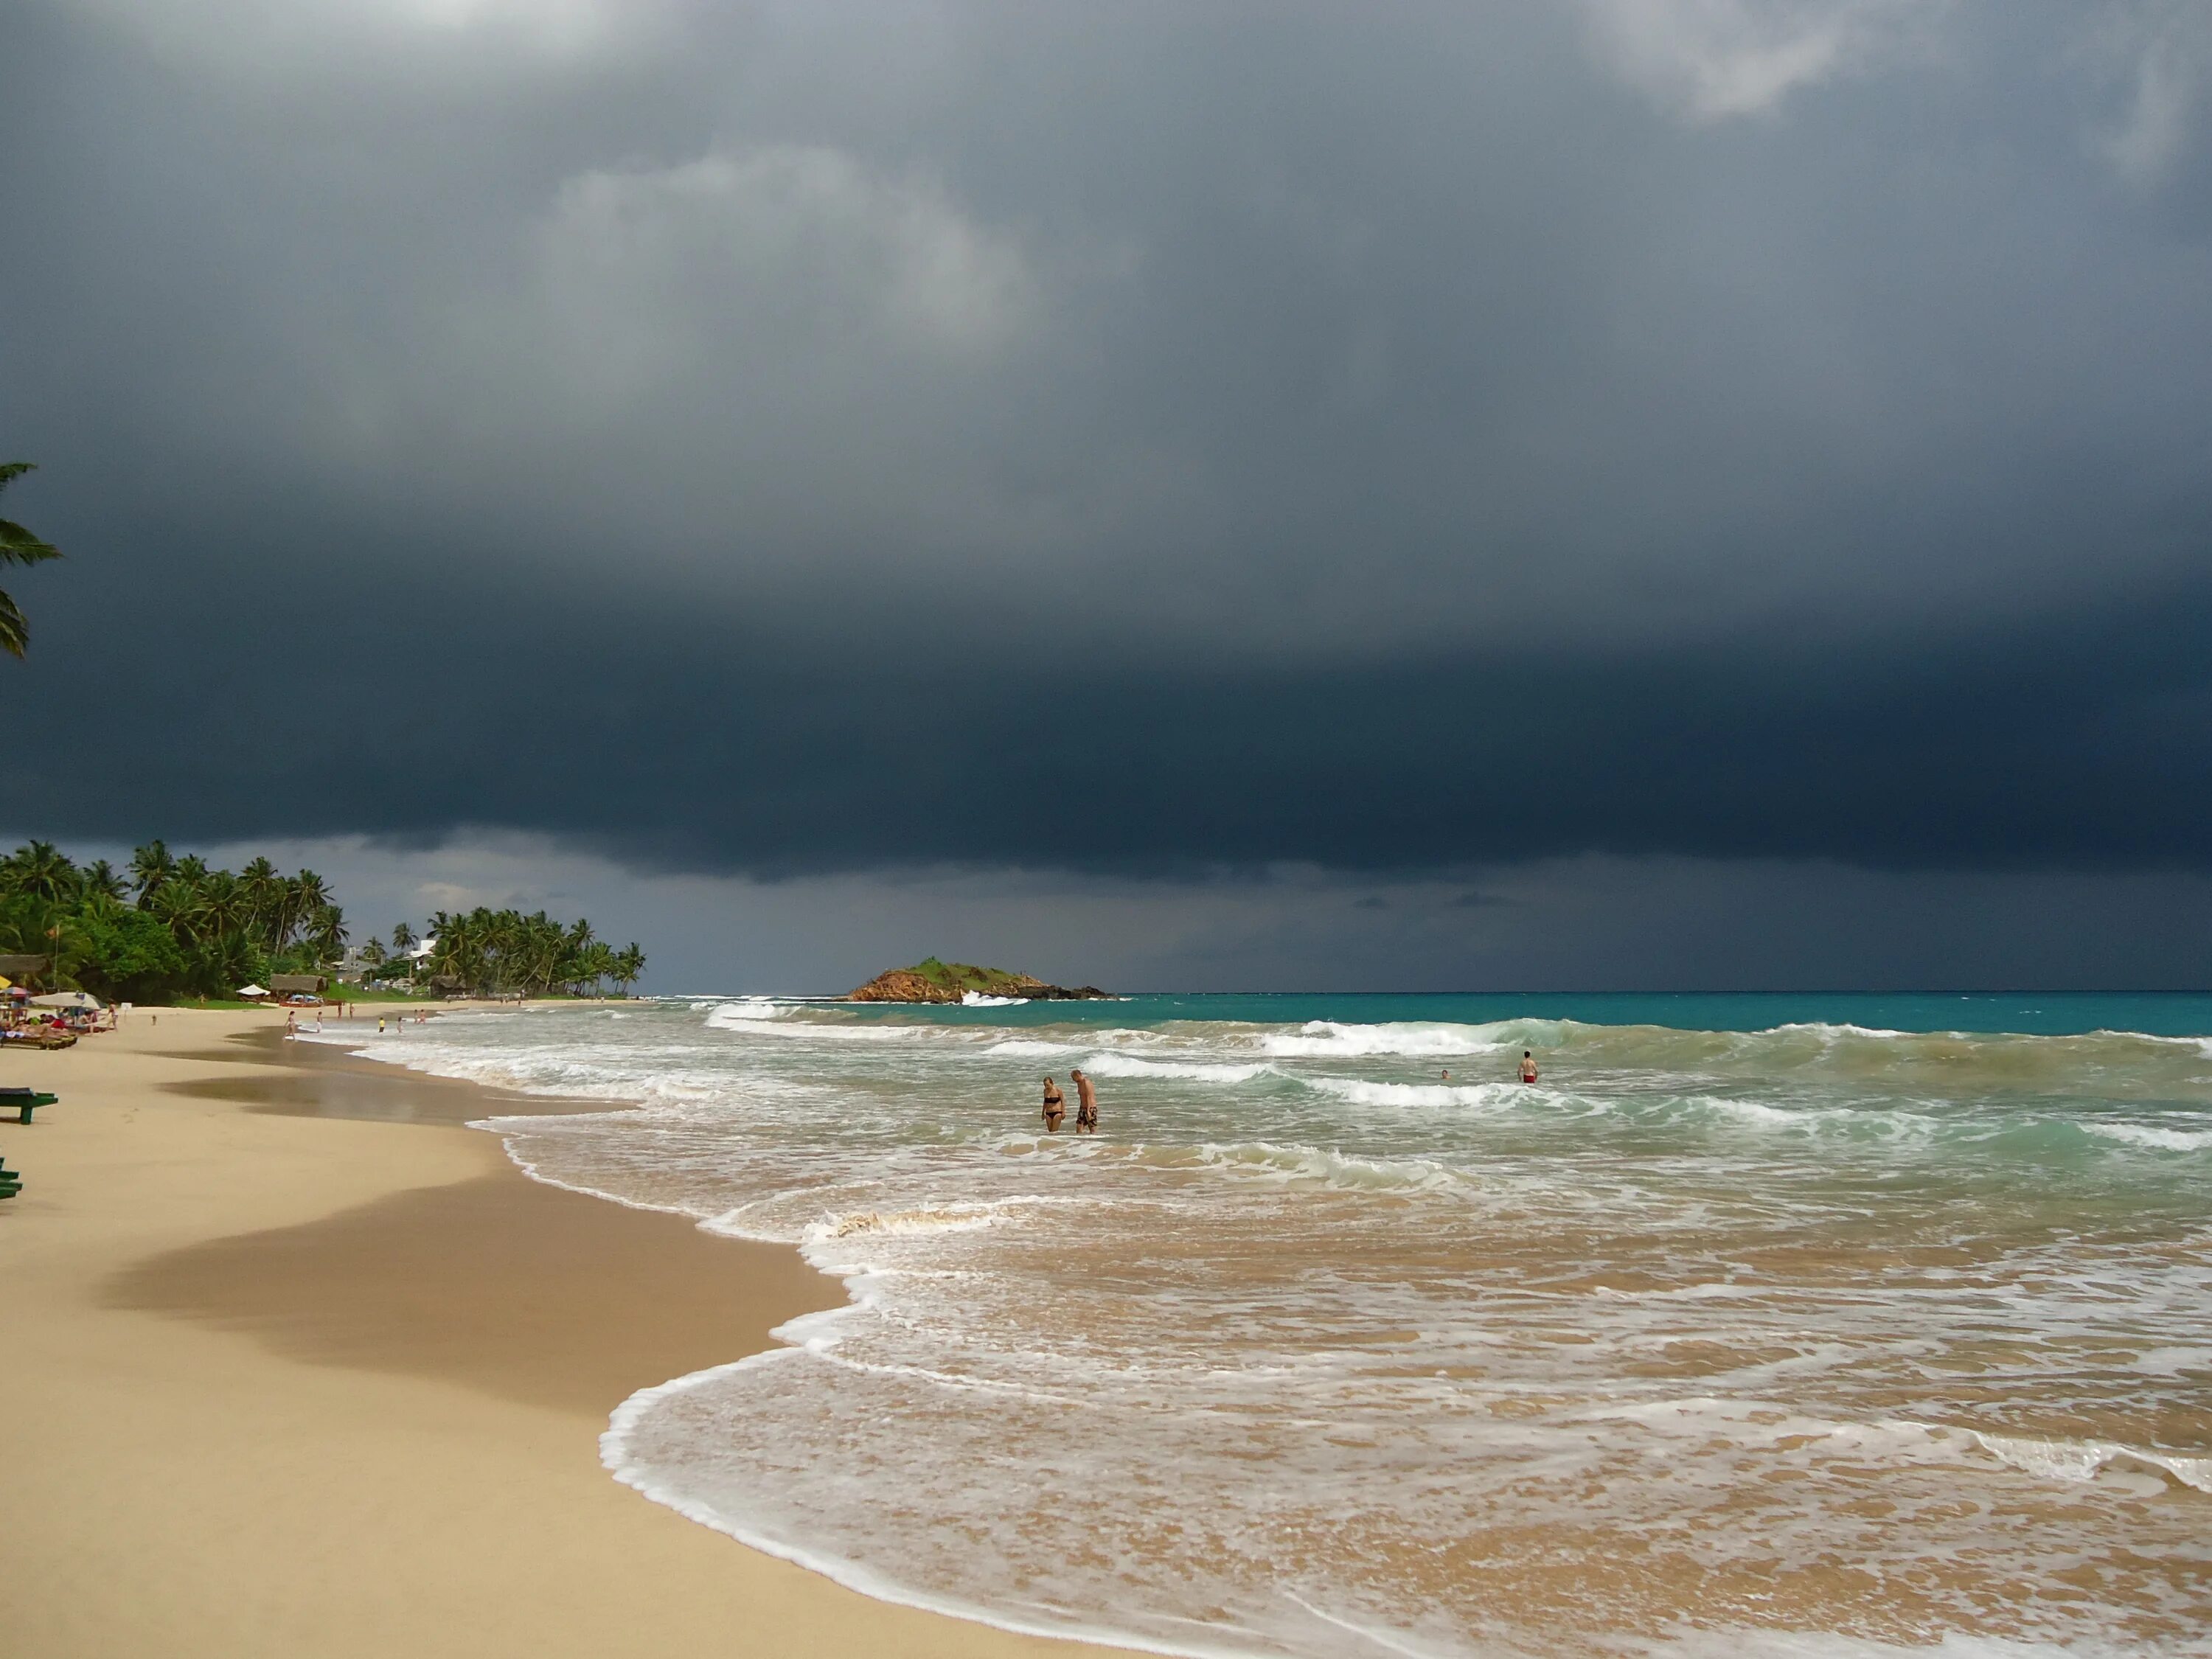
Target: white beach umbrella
(68,1000)
(251,991)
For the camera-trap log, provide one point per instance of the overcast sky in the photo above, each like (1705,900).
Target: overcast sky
(1607,493)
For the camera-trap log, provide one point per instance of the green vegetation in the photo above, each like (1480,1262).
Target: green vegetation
(18,546)
(506,953)
(961,977)
(170,927)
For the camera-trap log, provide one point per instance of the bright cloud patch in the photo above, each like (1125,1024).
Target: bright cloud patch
(1712,60)
(794,237)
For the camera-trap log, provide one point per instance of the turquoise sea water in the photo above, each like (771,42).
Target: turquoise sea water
(1826,1325)
(2046,1013)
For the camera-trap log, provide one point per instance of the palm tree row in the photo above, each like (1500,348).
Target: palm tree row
(280,914)
(504,952)
(167,925)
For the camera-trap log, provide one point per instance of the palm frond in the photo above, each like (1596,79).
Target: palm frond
(19,546)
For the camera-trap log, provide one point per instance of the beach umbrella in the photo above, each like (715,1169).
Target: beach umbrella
(67,999)
(251,991)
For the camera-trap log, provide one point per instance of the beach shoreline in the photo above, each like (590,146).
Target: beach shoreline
(303,1365)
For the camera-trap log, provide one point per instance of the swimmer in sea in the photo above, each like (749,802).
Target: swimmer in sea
(1528,1066)
(1055,1107)
(1086,1105)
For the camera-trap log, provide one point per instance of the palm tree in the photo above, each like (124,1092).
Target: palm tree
(264,895)
(224,906)
(596,966)
(329,934)
(41,868)
(402,937)
(175,905)
(306,896)
(18,546)
(101,880)
(150,865)
(629,965)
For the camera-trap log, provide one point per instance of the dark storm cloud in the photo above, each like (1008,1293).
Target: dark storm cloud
(1147,440)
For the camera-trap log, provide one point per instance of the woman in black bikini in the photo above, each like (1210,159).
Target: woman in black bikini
(1055,1107)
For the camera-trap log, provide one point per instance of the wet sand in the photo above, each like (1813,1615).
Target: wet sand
(300,1366)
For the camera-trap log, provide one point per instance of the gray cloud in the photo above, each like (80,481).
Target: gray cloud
(1111,440)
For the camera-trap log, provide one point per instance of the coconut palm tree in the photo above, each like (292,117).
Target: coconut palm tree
(150,865)
(18,546)
(327,933)
(224,906)
(264,895)
(102,880)
(41,868)
(629,966)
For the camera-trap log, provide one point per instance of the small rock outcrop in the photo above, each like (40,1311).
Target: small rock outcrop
(932,980)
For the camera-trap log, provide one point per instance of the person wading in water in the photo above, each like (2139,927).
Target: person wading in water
(1528,1066)
(1055,1107)
(1086,1105)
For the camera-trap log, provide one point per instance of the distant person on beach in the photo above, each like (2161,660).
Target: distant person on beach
(1055,1107)
(1528,1066)
(1086,1105)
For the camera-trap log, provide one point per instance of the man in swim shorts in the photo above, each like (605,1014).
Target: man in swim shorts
(1055,1107)
(1086,1105)
(1528,1066)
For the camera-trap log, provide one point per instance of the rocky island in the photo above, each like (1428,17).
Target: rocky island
(932,980)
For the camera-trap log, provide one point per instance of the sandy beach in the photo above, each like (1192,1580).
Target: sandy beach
(298,1366)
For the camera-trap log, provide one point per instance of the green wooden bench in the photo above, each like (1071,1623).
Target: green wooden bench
(11,1181)
(25,1101)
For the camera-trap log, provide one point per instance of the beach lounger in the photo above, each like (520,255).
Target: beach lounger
(25,1101)
(11,1181)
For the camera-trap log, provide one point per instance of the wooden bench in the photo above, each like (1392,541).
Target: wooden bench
(25,1101)
(11,1181)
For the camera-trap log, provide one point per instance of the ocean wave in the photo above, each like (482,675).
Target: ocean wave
(1324,1166)
(745,1010)
(1129,1066)
(838,1031)
(1032,1048)
(936,1218)
(978,999)
(1324,1038)
(2138,1134)
(1361,1092)
(2081,1459)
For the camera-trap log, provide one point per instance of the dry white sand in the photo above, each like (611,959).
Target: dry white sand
(283,1384)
